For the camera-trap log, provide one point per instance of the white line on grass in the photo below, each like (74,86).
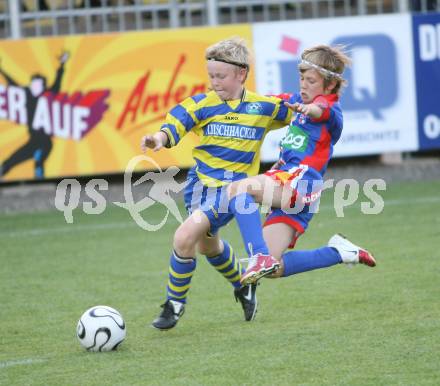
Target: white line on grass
(21,362)
(132,224)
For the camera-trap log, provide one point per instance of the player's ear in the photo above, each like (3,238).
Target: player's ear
(331,86)
(242,73)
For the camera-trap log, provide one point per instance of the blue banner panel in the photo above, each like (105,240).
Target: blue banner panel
(426,36)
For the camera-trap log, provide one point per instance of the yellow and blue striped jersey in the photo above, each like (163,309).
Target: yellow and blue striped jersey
(231,132)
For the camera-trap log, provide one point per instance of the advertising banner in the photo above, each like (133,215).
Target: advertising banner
(79,105)
(379,103)
(426,35)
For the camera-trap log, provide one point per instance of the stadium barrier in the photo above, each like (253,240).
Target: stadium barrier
(117,87)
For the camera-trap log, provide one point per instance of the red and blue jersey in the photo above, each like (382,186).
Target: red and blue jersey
(310,141)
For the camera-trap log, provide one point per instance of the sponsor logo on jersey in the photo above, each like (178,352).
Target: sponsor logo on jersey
(234,131)
(254,108)
(295,139)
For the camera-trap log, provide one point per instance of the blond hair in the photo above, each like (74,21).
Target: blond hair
(233,51)
(330,62)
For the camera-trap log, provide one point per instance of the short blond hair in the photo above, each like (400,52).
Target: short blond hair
(233,51)
(329,61)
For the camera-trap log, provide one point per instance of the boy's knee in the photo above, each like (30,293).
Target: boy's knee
(184,241)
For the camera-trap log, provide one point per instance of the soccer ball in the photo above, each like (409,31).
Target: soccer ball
(101,328)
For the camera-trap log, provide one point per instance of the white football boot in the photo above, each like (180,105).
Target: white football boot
(350,253)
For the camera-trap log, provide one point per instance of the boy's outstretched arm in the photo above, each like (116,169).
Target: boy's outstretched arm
(312,110)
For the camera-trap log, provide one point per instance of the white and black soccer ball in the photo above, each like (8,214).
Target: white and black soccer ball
(101,328)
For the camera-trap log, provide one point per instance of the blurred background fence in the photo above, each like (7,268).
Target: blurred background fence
(28,18)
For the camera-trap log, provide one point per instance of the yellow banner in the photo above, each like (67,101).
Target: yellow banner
(79,105)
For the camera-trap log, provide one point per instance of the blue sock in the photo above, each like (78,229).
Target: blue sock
(228,265)
(303,261)
(179,279)
(249,222)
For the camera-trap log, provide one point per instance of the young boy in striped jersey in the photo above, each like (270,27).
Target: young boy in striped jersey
(296,181)
(231,123)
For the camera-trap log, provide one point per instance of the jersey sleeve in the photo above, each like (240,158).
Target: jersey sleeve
(324,104)
(331,113)
(336,122)
(284,96)
(296,97)
(281,116)
(179,121)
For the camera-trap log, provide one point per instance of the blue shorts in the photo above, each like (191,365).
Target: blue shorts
(211,201)
(306,184)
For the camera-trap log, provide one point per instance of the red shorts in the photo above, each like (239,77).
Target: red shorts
(310,192)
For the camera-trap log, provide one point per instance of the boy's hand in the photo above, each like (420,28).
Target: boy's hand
(298,107)
(156,141)
(310,110)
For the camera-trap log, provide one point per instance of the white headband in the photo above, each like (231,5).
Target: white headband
(322,69)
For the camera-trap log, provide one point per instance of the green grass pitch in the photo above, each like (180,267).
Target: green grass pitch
(336,326)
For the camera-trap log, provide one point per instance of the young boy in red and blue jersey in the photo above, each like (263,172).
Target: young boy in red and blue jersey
(293,187)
